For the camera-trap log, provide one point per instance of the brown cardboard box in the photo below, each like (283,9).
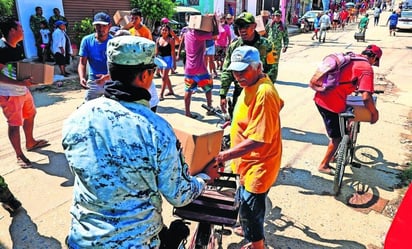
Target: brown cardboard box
(204,23)
(200,141)
(122,18)
(362,114)
(260,25)
(40,73)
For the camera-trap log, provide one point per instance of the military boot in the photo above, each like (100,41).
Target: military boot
(9,202)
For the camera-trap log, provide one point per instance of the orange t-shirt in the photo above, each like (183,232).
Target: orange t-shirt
(143,31)
(256,117)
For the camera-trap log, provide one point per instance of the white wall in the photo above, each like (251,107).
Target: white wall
(26,8)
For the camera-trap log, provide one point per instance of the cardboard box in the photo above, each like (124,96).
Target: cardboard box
(40,73)
(200,141)
(204,23)
(362,114)
(123,18)
(260,25)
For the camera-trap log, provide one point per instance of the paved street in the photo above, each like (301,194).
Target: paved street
(302,213)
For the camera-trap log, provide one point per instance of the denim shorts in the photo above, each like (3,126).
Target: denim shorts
(252,214)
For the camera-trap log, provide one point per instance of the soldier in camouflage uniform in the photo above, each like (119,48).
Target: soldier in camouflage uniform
(245,25)
(9,202)
(277,32)
(35,21)
(57,17)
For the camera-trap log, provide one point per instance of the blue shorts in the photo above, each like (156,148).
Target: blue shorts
(193,81)
(168,60)
(331,121)
(252,214)
(210,50)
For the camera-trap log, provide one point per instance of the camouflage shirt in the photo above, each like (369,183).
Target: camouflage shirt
(124,159)
(35,21)
(277,33)
(268,56)
(55,18)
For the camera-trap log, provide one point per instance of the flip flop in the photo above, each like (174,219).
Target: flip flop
(238,230)
(23,162)
(330,172)
(39,144)
(194,116)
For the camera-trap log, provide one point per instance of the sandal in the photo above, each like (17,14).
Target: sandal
(39,144)
(238,230)
(328,171)
(23,162)
(194,116)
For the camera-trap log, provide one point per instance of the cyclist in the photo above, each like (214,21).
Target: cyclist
(333,101)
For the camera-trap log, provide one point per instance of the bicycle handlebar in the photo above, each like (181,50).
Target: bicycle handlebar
(217,112)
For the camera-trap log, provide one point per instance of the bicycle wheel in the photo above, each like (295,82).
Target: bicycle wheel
(341,159)
(204,237)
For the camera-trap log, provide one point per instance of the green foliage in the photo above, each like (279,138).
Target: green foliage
(154,10)
(81,29)
(406,175)
(6,7)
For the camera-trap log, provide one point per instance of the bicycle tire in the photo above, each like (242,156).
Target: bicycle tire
(203,234)
(341,159)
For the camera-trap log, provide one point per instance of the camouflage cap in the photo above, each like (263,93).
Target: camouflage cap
(131,51)
(245,18)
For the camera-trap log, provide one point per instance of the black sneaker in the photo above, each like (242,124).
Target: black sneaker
(12,206)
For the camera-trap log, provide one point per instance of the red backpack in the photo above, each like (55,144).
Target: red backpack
(327,74)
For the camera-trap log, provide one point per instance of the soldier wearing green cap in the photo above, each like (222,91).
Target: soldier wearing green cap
(277,32)
(125,158)
(245,27)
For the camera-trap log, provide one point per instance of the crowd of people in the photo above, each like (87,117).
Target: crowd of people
(120,177)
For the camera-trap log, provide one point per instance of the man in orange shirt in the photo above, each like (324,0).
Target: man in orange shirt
(139,29)
(256,141)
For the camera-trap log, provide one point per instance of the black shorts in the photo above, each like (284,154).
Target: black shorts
(61,59)
(331,121)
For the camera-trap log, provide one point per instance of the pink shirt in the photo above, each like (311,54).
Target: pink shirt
(223,38)
(195,50)
(334,100)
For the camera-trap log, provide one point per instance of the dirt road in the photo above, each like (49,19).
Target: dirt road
(302,213)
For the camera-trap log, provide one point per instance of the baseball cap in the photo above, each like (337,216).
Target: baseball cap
(58,23)
(101,18)
(229,16)
(277,13)
(132,51)
(242,57)
(114,29)
(245,18)
(377,51)
(165,20)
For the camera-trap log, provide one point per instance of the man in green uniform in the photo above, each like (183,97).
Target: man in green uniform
(277,33)
(35,21)
(57,17)
(245,27)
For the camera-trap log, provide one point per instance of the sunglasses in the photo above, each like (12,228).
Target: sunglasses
(244,26)
(151,70)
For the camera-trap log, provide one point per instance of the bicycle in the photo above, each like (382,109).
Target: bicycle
(218,205)
(215,208)
(349,124)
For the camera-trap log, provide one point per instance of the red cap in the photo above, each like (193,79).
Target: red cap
(377,51)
